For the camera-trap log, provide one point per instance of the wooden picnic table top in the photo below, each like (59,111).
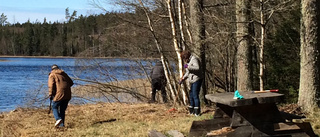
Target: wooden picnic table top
(249,98)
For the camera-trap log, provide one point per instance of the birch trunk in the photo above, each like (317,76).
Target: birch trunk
(177,48)
(186,21)
(263,30)
(165,62)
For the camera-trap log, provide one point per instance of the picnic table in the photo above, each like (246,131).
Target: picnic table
(256,114)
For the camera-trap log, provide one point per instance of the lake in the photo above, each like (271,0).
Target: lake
(23,78)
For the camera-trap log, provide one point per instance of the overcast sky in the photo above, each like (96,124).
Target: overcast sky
(53,10)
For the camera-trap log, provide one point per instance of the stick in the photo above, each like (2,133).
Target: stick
(178,90)
(265,91)
(50,106)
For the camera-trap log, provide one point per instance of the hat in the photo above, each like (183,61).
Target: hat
(54,66)
(159,63)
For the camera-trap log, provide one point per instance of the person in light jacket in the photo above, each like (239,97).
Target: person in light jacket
(194,76)
(59,84)
(158,82)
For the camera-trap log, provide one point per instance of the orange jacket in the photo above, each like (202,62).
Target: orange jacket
(59,84)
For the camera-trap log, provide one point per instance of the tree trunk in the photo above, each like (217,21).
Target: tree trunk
(177,48)
(244,40)
(180,13)
(263,30)
(309,71)
(186,22)
(163,59)
(198,38)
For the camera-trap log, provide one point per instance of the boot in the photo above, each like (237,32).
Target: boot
(164,98)
(196,111)
(151,101)
(153,97)
(191,110)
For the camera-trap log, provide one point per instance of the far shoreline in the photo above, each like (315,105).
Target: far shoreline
(8,56)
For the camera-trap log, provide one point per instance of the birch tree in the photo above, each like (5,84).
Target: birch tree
(172,87)
(263,31)
(267,10)
(309,54)
(175,41)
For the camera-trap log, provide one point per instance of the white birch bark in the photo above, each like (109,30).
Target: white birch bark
(186,21)
(176,47)
(263,30)
(165,62)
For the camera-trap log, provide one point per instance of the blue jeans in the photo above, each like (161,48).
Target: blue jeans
(194,93)
(59,110)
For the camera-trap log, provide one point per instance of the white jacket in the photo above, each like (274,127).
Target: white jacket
(194,71)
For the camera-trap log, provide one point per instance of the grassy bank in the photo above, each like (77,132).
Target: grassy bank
(103,119)
(113,119)
(109,120)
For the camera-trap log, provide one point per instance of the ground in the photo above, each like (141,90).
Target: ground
(110,120)
(102,119)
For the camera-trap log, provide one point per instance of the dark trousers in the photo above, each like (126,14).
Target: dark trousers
(158,84)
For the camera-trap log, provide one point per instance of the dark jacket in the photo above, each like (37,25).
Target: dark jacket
(157,72)
(59,84)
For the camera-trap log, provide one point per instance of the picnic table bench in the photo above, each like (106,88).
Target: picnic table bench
(255,115)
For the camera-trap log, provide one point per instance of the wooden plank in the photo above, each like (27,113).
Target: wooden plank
(285,126)
(302,120)
(227,99)
(249,98)
(201,128)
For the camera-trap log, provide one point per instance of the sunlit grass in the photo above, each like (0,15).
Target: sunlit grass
(104,119)
(315,121)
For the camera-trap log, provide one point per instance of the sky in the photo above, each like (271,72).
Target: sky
(53,10)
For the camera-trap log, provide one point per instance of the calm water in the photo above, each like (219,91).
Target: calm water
(22,78)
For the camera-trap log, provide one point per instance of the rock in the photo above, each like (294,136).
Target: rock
(175,133)
(155,133)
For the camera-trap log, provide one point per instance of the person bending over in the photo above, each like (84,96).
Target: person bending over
(158,82)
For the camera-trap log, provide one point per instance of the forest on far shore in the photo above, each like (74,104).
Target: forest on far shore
(112,34)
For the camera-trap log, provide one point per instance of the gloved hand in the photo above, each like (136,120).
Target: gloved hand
(185,66)
(180,81)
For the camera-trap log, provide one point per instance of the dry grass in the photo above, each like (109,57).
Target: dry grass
(296,110)
(141,86)
(315,121)
(103,119)
(108,119)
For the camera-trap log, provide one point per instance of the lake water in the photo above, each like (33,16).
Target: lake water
(21,77)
